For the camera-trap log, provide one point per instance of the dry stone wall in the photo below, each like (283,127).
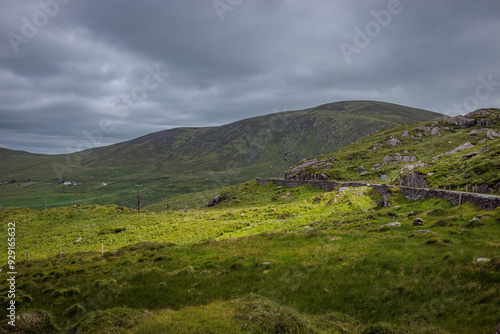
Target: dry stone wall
(486,202)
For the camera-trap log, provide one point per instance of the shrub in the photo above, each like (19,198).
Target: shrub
(184,271)
(380,328)
(73,310)
(57,273)
(65,292)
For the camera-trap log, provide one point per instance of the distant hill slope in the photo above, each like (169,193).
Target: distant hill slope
(188,159)
(463,151)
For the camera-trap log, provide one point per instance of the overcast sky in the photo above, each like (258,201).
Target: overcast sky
(76,74)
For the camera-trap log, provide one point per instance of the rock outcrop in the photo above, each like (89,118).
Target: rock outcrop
(217,199)
(299,171)
(414,180)
(462,122)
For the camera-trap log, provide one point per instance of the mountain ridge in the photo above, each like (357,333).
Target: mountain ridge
(200,158)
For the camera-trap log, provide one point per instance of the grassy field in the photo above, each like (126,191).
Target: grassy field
(266,260)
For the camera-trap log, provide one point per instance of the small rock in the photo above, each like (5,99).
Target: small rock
(405,134)
(492,134)
(482,259)
(394,224)
(461,147)
(485,148)
(418,221)
(470,155)
(473,133)
(393,142)
(411,213)
(436,131)
(422,231)
(311,230)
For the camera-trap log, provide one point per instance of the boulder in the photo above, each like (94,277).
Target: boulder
(384,202)
(492,134)
(413,179)
(482,259)
(405,134)
(426,128)
(485,148)
(393,142)
(360,169)
(473,132)
(465,146)
(418,222)
(436,131)
(422,231)
(395,224)
(214,201)
(417,136)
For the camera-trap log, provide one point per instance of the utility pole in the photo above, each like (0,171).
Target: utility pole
(138,197)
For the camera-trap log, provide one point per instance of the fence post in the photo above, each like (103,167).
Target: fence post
(60,255)
(102,247)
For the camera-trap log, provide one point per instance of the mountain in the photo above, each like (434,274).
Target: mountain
(462,152)
(191,159)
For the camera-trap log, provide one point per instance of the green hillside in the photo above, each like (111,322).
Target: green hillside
(268,260)
(185,160)
(461,152)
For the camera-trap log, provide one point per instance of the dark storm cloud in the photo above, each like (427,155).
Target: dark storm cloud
(70,69)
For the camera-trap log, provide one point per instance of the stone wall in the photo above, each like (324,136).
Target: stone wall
(486,202)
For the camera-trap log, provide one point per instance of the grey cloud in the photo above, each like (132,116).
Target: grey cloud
(264,56)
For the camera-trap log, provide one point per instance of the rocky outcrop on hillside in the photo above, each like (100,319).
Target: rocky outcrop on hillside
(217,199)
(299,172)
(462,122)
(450,151)
(414,180)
